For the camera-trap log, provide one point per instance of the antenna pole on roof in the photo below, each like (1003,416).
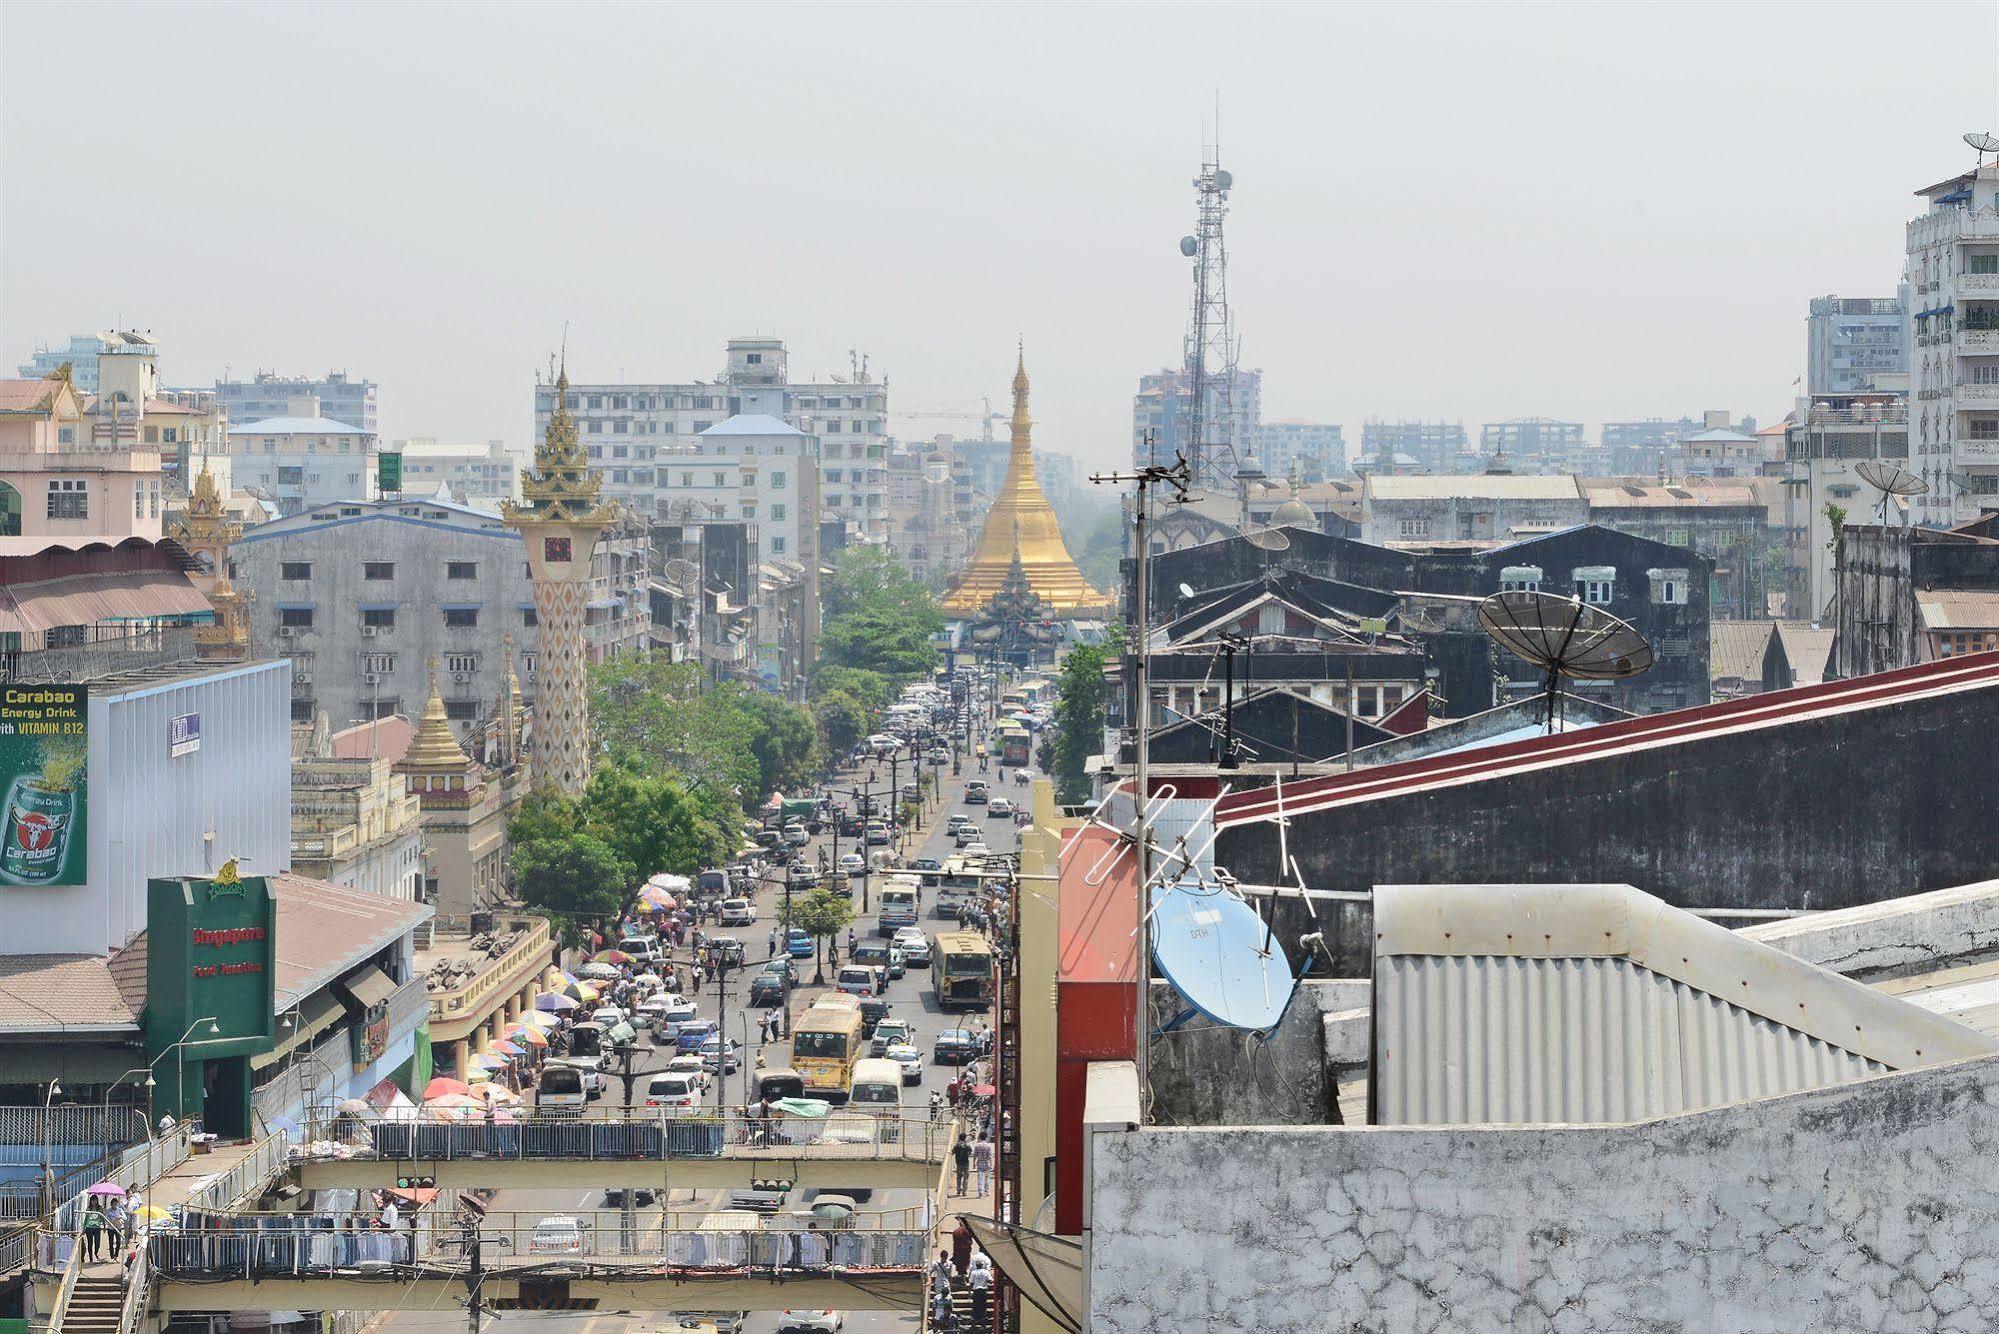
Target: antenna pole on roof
(1146,480)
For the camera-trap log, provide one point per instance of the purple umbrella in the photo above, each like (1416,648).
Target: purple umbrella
(549,1000)
(105,1189)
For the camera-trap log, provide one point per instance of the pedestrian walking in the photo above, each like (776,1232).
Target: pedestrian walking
(980,1280)
(115,1220)
(93,1232)
(763,1029)
(961,1159)
(961,1247)
(773,944)
(982,1163)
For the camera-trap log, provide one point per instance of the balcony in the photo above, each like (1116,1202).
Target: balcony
(1978,284)
(498,978)
(1977,342)
(115,655)
(1973,395)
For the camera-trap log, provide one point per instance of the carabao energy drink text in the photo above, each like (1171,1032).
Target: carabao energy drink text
(36,841)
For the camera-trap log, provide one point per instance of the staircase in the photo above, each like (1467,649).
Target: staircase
(96,1306)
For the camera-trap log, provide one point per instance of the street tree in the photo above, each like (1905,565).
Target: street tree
(575,878)
(821,914)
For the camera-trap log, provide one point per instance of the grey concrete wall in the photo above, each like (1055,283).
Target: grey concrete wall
(1871,1206)
(1202,1075)
(1894,938)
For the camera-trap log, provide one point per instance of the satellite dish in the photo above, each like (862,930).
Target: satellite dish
(1186,590)
(1984,143)
(1564,637)
(1268,539)
(1219,955)
(1223,179)
(1890,480)
(1189,246)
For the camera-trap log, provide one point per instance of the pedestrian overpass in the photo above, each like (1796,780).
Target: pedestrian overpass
(631,1259)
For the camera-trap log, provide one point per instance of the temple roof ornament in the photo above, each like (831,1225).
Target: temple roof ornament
(560,488)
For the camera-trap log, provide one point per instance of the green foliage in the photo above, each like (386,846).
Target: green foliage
(868,577)
(821,914)
(575,878)
(871,689)
(783,739)
(1079,715)
(542,814)
(876,620)
(843,721)
(658,718)
(652,823)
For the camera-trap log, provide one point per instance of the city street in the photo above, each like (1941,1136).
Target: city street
(910,997)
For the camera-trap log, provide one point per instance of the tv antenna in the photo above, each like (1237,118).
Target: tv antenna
(1983,144)
(1890,480)
(1564,637)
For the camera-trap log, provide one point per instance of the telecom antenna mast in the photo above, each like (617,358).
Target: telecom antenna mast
(1211,350)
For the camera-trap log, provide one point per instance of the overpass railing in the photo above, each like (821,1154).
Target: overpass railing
(631,1134)
(211,1247)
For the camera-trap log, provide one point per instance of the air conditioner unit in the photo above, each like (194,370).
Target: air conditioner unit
(287,632)
(368,632)
(370,679)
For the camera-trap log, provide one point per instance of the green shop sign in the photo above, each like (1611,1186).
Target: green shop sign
(44,764)
(211,979)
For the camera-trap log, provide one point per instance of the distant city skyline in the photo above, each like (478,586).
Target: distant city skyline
(1630,240)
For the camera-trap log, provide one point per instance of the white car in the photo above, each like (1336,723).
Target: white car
(811,1322)
(691,1064)
(910,1059)
(796,835)
(853,863)
(738,912)
(998,806)
(673,1089)
(559,1235)
(976,850)
(610,1016)
(915,946)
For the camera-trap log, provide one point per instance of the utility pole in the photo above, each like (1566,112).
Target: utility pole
(475,1302)
(1146,479)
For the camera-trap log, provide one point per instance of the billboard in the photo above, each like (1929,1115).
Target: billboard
(45,768)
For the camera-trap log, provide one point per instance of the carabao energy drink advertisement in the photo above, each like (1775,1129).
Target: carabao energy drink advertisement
(44,766)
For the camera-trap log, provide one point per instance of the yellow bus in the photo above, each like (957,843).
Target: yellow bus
(825,1042)
(961,971)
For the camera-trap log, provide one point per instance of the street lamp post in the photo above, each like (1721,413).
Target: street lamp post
(48,1172)
(180,1061)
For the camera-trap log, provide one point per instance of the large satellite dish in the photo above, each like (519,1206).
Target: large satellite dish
(1564,637)
(1890,480)
(1219,954)
(1984,143)
(1189,246)
(1268,539)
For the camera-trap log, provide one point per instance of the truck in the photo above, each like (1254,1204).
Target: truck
(899,895)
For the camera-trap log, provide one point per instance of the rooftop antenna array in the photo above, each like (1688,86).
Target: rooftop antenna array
(1211,348)
(1564,637)
(1890,480)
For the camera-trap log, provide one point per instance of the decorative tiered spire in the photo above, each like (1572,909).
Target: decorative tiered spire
(439,770)
(560,488)
(1021,526)
(206,531)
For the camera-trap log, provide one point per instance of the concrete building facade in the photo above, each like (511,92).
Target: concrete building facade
(1485,507)
(1317,450)
(1953,268)
(355,822)
(469,474)
(1851,341)
(341,397)
(642,438)
(1437,447)
(303,459)
(1162,410)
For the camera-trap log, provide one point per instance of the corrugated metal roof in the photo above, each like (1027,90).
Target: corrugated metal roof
(1958,609)
(1544,1004)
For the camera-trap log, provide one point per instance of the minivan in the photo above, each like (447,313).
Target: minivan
(738,912)
(560,1090)
(877,1086)
(672,1089)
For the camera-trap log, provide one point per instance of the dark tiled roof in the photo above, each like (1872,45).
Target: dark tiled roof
(41,992)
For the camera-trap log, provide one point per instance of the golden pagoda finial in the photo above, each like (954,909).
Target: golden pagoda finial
(434,747)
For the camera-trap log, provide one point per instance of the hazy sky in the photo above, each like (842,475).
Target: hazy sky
(1473,212)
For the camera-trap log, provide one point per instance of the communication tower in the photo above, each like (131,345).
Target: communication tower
(1212,421)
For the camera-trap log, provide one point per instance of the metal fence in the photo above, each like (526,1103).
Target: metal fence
(261,1246)
(635,1135)
(112,1127)
(156,646)
(245,1180)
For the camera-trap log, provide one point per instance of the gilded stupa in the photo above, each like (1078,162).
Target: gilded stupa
(1021,526)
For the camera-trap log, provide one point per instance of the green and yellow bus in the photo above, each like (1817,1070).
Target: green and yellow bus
(961,971)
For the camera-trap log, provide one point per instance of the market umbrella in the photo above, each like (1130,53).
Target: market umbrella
(540,1020)
(655,897)
(582,992)
(479,1076)
(447,1101)
(151,1213)
(552,1000)
(443,1085)
(498,1093)
(508,1048)
(610,956)
(621,1032)
(983,1090)
(487,1061)
(107,1190)
(528,1034)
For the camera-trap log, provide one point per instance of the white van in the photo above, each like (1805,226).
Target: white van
(898,906)
(876,1087)
(561,1090)
(673,1088)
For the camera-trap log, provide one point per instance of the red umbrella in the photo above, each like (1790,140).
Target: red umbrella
(444,1084)
(983,1090)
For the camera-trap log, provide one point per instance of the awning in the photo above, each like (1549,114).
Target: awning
(379,606)
(86,599)
(296,606)
(1047,1269)
(461,606)
(369,986)
(601,604)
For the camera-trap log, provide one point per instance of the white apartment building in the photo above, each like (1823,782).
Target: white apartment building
(1318,450)
(303,459)
(1953,271)
(471,473)
(79,354)
(642,437)
(342,398)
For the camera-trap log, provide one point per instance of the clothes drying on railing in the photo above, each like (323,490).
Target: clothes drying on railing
(602,1141)
(276,1245)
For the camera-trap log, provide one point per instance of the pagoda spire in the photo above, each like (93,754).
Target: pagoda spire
(1022,527)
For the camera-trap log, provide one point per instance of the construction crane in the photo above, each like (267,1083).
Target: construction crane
(985,419)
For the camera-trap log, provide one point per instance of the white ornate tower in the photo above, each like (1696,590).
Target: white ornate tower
(561,524)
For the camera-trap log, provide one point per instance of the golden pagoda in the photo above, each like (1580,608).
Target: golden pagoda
(1021,526)
(438,768)
(206,531)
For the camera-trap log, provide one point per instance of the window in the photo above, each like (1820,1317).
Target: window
(1367,701)
(1520,579)
(139,500)
(1984,264)
(700,426)
(687,479)
(721,479)
(10,511)
(381,618)
(461,569)
(833,475)
(777,481)
(1594,584)
(461,662)
(291,476)
(295,569)
(461,618)
(1414,528)
(381,708)
(528,617)
(66,435)
(777,514)
(777,546)
(381,664)
(378,569)
(302,710)
(69,498)
(461,710)
(295,618)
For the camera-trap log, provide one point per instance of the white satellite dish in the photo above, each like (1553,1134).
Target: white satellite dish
(1220,955)
(1984,143)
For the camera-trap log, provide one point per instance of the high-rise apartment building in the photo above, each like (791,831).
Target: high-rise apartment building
(1162,410)
(1953,270)
(1432,446)
(471,473)
(640,437)
(1852,341)
(1532,440)
(1316,450)
(341,398)
(303,458)
(79,354)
